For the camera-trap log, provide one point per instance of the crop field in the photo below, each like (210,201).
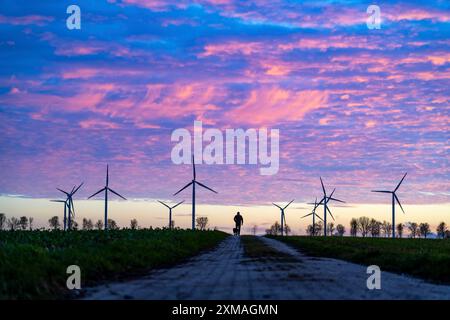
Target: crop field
(33,264)
(423,258)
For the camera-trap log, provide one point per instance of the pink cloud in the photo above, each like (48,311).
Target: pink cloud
(232,48)
(26,20)
(271,105)
(97,124)
(400,13)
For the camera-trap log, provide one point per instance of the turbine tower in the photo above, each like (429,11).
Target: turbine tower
(69,205)
(193,183)
(283,217)
(394,198)
(170,211)
(314,215)
(106,188)
(324,202)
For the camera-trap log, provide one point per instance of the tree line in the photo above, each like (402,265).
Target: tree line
(54,223)
(368,227)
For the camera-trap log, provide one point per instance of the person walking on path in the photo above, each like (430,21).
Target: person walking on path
(239,220)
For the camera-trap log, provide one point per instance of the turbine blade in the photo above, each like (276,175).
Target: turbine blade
(107,174)
(62,191)
(289,203)
(331,195)
(307,215)
(329,211)
(398,201)
(97,192)
(183,188)
(73,207)
(202,185)
(75,191)
(177,204)
(164,204)
(57,200)
(323,187)
(116,193)
(398,186)
(382,191)
(277,205)
(334,199)
(318,216)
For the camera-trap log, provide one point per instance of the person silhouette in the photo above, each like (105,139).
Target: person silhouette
(239,220)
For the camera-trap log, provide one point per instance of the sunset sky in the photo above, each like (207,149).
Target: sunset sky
(357,107)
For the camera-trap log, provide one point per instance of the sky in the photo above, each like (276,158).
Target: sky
(358,107)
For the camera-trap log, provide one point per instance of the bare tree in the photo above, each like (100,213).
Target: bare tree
(13,223)
(87,224)
(400,230)
(318,228)
(364,223)
(330,228)
(2,221)
(424,229)
(440,230)
(74,225)
(309,230)
(374,228)
(54,222)
(30,223)
(133,224)
(413,229)
(202,223)
(99,225)
(23,223)
(340,230)
(274,229)
(354,227)
(386,227)
(287,229)
(112,224)
(254,229)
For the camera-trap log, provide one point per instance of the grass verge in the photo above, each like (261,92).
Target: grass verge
(33,263)
(256,249)
(424,258)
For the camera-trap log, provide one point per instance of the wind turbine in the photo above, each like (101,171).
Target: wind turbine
(324,202)
(193,183)
(69,204)
(65,210)
(314,215)
(283,217)
(170,211)
(394,198)
(106,189)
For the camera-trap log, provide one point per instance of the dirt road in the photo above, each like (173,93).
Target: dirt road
(225,273)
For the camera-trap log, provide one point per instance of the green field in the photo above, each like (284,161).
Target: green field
(33,263)
(423,258)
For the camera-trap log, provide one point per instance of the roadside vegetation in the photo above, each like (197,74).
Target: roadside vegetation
(33,264)
(255,249)
(423,258)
